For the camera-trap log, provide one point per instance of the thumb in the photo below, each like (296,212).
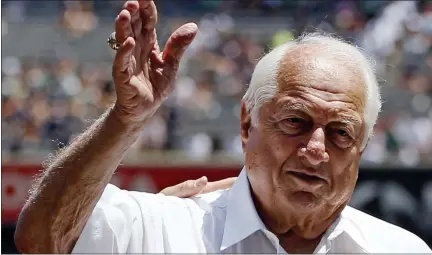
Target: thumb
(178,42)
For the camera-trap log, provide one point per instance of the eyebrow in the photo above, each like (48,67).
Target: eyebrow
(294,106)
(342,118)
(348,120)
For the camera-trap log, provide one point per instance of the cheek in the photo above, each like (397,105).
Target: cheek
(277,148)
(344,161)
(284,146)
(265,152)
(345,171)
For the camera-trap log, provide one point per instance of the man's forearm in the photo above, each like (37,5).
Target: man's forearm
(71,185)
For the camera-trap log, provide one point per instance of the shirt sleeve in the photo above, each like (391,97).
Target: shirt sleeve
(114,222)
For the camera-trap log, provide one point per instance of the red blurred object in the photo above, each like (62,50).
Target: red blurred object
(16,181)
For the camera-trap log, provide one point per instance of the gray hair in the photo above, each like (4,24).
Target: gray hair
(264,85)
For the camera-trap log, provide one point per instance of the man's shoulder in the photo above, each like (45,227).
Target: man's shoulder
(212,200)
(113,194)
(366,221)
(379,233)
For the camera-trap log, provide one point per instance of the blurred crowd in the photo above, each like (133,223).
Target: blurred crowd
(46,101)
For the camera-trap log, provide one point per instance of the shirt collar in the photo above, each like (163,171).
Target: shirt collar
(242,220)
(347,230)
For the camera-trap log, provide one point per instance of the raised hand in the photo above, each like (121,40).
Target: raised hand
(143,75)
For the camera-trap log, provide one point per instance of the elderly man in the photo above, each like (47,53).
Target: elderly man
(305,121)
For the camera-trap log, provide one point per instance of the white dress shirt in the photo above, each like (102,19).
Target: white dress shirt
(221,222)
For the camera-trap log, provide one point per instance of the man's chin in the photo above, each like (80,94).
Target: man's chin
(304,200)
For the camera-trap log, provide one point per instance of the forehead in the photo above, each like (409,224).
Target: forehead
(325,78)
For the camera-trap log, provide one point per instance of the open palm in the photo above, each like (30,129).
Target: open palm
(143,75)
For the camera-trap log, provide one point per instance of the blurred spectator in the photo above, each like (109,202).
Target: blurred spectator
(60,126)
(79,18)
(48,100)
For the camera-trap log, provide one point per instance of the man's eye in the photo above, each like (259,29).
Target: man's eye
(342,133)
(341,138)
(293,126)
(294,120)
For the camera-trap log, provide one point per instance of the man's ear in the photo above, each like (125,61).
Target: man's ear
(245,124)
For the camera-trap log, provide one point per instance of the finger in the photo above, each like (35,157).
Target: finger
(147,37)
(122,61)
(156,58)
(156,54)
(180,190)
(219,185)
(178,43)
(148,13)
(123,27)
(133,8)
(186,189)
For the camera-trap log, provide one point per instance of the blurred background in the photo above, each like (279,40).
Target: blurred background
(55,81)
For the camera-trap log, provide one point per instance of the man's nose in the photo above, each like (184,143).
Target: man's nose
(315,151)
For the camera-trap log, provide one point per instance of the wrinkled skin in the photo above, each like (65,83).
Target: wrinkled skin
(314,123)
(144,75)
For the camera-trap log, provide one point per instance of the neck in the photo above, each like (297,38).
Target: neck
(287,222)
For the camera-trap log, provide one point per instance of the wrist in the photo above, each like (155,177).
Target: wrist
(121,122)
(129,120)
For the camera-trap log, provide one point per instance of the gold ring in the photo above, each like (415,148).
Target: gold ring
(112,42)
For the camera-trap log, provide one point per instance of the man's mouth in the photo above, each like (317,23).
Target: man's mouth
(304,175)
